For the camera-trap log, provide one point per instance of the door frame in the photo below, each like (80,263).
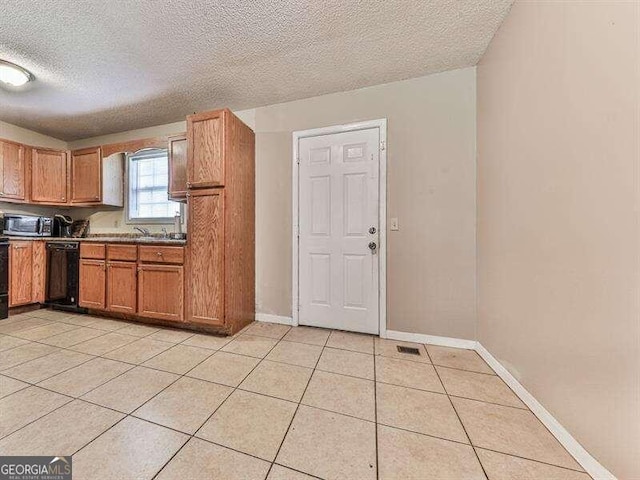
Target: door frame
(381,125)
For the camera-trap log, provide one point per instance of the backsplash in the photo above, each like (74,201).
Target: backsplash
(102,220)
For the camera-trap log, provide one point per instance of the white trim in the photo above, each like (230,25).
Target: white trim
(267,317)
(431,339)
(381,125)
(577,451)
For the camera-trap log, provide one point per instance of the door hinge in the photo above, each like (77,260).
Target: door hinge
(298,160)
(383,145)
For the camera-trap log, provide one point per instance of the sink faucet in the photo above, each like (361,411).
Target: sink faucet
(144,231)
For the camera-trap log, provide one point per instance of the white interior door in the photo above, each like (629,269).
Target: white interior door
(338,202)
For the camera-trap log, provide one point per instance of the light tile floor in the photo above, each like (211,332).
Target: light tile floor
(138,401)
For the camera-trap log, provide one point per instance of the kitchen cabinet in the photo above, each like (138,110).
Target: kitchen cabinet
(49,176)
(160,291)
(137,280)
(13,171)
(86,176)
(20,273)
(220,261)
(205,288)
(92,284)
(177,148)
(121,287)
(96,180)
(27,270)
(206,149)
(39,270)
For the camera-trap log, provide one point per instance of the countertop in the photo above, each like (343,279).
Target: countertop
(107,239)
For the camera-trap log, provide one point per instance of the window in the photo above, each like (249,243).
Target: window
(148,188)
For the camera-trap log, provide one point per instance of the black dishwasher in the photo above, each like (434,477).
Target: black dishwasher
(63,270)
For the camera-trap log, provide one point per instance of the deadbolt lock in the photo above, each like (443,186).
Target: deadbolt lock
(372,230)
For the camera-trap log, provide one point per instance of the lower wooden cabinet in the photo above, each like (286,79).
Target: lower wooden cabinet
(39,271)
(144,281)
(121,287)
(92,291)
(160,291)
(20,273)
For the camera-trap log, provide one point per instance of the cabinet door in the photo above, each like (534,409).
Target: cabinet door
(178,167)
(12,171)
(206,149)
(160,291)
(20,273)
(205,257)
(39,271)
(48,176)
(121,287)
(86,176)
(92,284)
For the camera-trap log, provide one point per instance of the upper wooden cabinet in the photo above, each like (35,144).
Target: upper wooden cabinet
(13,171)
(86,176)
(49,176)
(96,180)
(206,151)
(177,147)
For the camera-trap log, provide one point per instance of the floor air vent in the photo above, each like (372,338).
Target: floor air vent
(408,350)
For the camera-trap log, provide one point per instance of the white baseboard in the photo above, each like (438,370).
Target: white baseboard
(267,317)
(590,464)
(431,339)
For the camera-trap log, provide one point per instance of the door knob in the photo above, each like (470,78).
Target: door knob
(372,246)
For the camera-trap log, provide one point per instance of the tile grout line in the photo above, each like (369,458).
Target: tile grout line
(298,405)
(458,417)
(194,435)
(531,460)
(375,408)
(85,393)
(174,344)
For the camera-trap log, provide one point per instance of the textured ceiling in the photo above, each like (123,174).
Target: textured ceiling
(109,66)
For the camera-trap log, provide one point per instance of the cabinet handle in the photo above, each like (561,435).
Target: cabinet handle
(188,184)
(18,247)
(159,254)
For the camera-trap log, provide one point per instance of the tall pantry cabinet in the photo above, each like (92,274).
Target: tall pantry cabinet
(220,285)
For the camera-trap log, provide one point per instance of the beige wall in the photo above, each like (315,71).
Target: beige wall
(431,189)
(29,137)
(558,226)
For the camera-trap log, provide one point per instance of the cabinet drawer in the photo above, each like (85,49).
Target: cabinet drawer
(160,254)
(92,250)
(124,253)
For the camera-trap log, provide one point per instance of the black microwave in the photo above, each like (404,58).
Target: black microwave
(27,225)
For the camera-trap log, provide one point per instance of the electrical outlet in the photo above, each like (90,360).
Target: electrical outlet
(394,224)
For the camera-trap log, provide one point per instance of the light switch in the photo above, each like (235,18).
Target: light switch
(394,224)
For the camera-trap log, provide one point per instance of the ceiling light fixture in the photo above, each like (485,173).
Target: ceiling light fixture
(13,75)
